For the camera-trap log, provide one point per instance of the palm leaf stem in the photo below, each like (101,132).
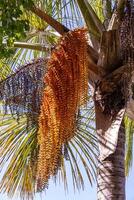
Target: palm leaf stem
(34,46)
(60,28)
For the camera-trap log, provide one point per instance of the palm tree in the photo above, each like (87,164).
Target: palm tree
(109,25)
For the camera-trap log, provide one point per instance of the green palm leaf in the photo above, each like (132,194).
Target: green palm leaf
(18,146)
(129,129)
(18,138)
(93,22)
(18,141)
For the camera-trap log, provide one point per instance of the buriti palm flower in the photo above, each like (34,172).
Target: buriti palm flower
(66,90)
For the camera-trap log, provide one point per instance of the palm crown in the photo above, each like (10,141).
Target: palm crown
(21,90)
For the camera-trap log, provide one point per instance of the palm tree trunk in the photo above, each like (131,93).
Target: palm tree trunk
(111,172)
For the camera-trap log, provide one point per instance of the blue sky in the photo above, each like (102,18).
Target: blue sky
(58,193)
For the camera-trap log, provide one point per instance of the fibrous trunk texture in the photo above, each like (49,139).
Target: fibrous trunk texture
(111,172)
(111,98)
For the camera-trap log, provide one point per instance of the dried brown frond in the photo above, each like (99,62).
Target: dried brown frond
(66,90)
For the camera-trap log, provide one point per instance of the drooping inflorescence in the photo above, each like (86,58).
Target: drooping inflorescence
(21,91)
(66,90)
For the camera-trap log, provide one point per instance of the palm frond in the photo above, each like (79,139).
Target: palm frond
(5,69)
(80,154)
(129,129)
(93,22)
(18,142)
(18,147)
(19,152)
(97,6)
(46,39)
(67,12)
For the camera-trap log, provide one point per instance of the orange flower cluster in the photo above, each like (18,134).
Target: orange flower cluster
(66,90)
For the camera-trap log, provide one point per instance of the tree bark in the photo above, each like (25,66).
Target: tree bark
(110,109)
(111,172)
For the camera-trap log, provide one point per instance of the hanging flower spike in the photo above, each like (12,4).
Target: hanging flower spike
(66,90)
